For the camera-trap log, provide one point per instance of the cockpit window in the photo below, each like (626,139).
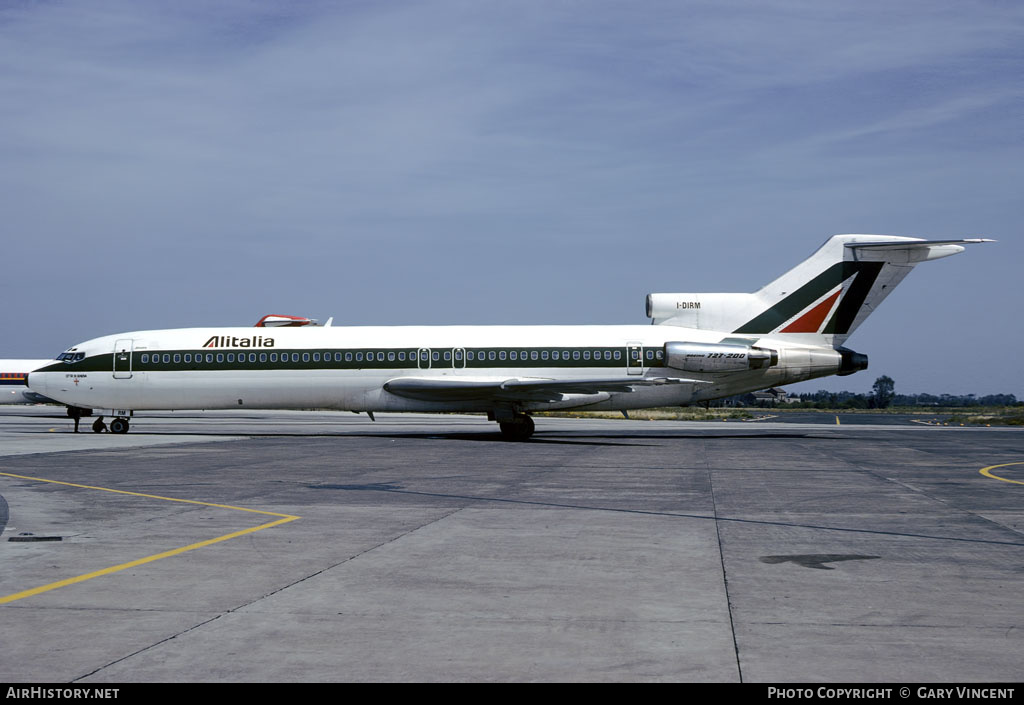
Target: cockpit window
(70,357)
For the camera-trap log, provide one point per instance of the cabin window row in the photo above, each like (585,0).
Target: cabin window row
(423,355)
(210,358)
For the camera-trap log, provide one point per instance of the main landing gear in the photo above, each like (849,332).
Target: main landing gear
(119,425)
(518,428)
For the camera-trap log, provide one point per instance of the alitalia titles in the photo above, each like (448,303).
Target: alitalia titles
(230,341)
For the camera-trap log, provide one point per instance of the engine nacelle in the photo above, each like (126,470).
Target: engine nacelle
(851,362)
(703,311)
(718,357)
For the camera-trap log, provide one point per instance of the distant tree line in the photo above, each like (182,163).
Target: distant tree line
(883,395)
(854,400)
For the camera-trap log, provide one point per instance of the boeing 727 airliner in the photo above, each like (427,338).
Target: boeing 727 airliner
(701,347)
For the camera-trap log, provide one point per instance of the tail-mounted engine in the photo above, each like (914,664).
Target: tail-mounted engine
(851,362)
(718,357)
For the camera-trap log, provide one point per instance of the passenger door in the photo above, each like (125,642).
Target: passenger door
(423,358)
(634,358)
(123,358)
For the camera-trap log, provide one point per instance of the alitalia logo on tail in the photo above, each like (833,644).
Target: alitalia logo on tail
(229,341)
(864,275)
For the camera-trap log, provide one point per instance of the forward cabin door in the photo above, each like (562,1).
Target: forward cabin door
(459,358)
(634,358)
(123,358)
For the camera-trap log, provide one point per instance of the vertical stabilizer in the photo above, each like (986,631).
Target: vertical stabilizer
(821,301)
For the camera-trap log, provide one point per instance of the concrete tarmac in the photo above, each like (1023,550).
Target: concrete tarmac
(318,546)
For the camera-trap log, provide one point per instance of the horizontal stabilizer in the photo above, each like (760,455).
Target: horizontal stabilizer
(902,245)
(908,252)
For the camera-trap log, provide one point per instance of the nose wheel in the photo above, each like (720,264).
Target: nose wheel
(119,425)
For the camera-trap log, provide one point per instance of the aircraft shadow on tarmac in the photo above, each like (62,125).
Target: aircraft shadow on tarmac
(804,560)
(560,437)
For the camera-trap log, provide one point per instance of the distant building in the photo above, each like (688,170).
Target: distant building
(765,397)
(773,395)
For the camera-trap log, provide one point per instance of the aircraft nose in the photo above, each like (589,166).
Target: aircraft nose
(37,382)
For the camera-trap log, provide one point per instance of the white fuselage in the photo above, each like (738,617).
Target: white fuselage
(347,368)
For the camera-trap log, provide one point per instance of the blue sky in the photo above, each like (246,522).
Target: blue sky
(193,163)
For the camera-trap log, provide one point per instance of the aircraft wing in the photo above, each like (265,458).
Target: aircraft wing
(517,388)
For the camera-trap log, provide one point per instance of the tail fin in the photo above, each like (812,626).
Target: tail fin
(821,301)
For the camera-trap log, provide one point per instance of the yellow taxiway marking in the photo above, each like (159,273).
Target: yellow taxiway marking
(837,421)
(283,519)
(987,472)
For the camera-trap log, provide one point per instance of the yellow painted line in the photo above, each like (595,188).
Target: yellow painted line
(284,519)
(837,421)
(987,472)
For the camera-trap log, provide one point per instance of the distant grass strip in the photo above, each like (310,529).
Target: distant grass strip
(941,416)
(666,414)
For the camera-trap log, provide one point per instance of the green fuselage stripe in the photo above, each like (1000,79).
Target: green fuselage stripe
(359,359)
